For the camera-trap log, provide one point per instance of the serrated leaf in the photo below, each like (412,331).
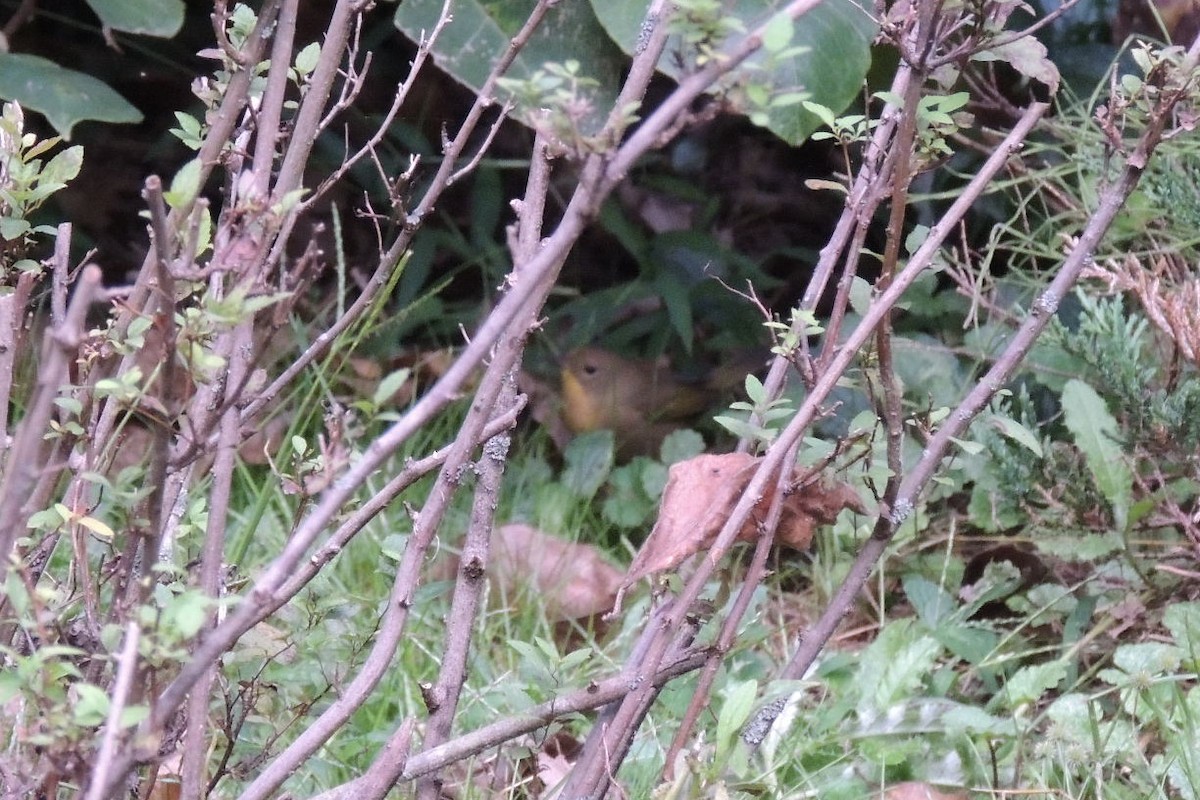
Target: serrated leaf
(1183,621)
(1095,433)
(91,704)
(1029,683)
(1081,547)
(64,167)
(162,18)
(896,663)
(1147,659)
(188,611)
(63,96)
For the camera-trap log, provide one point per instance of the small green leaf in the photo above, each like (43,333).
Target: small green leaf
(1096,435)
(185,185)
(97,527)
(1014,430)
(306,59)
(1183,621)
(755,390)
(861,294)
(91,704)
(187,612)
(390,385)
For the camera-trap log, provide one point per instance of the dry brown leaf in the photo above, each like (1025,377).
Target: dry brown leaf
(572,580)
(699,496)
(915,790)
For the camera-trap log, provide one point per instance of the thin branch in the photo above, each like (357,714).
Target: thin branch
(127,667)
(24,460)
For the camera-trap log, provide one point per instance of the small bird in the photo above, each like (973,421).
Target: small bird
(639,400)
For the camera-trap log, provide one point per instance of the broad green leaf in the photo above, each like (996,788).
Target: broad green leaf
(63,96)
(627,504)
(1183,620)
(931,602)
(474,40)
(1029,683)
(681,445)
(734,712)
(833,40)
(161,18)
(1095,432)
(589,460)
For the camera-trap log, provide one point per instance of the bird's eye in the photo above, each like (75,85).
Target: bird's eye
(590,369)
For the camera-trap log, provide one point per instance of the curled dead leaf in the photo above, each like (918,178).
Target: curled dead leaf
(700,495)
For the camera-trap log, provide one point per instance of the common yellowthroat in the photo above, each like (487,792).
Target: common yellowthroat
(640,401)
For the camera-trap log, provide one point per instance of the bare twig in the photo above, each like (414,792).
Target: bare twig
(24,461)
(127,668)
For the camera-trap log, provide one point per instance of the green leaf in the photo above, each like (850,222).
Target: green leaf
(969,642)
(734,713)
(681,445)
(187,612)
(589,459)
(931,602)
(627,504)
(1014,430)
(1147,659)
(1029,683)
(64,96)
(185,185)
(1183,621)
(896,663)
(778,33)
(831,45)
(91,704)
(390,384)
(1095,432)
(480,31)
(162,18)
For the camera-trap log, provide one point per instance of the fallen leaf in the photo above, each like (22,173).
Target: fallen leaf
(573,581)
(700,495)
(915,790)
